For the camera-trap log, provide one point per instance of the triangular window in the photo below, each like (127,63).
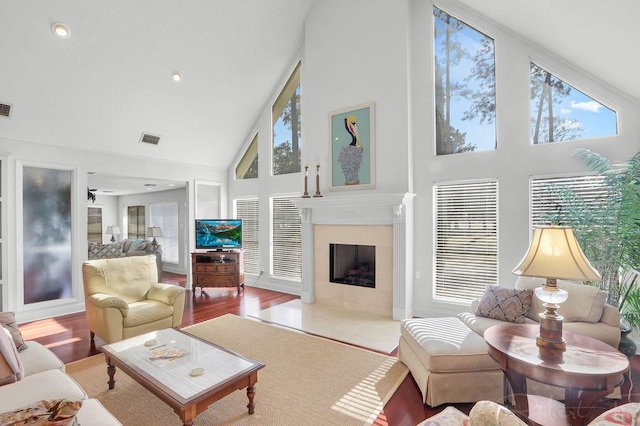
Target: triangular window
(560,112)
(248,167)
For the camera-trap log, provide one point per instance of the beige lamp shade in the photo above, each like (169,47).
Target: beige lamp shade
(154,231)
(113,230)
(555,253)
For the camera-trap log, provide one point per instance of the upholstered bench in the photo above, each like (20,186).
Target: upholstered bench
(449,361)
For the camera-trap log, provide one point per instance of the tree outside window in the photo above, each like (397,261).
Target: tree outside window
(560,112)
(286,116)
(465,87)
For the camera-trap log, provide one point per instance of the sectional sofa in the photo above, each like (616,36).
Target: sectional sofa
(448,356)
(34,377)
(126,248)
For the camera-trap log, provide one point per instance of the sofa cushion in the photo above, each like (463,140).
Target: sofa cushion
(30,388)
(11,369)
(584,302)
(625,414)
(36,358)
(146,312)
(100,251)
(480,324)
(93,413)
(8,321)
(55,412)
(505,304)
(446,345)
(449,416)
(137,245)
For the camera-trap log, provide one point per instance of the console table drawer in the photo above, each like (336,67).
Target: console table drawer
(226,269)
(220,280)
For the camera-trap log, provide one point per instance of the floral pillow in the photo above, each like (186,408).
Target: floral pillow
(54,412)
(8,321)
(505,304)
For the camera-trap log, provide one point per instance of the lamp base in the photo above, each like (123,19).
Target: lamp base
(113,239)
(550,340)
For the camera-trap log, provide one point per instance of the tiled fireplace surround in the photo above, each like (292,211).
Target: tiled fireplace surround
(381,220)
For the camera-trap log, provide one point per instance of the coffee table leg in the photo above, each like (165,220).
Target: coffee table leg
(111,371)
(251,393)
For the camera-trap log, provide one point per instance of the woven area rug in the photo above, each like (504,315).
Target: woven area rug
(307,380)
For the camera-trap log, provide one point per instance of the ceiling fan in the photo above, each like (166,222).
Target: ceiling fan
(91,196)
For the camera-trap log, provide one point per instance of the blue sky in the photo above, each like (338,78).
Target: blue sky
(596,119)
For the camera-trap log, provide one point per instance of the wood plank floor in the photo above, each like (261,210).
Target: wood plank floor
(68,337)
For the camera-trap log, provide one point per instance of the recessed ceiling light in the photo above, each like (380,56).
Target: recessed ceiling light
(177,76)
(60,30)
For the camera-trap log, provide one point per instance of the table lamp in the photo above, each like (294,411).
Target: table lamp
(554,254)
(113,231)
(154,231)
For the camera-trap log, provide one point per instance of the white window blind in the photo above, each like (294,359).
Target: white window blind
(466,242)
(286,235)
(247,210)
(546,205)
(165,215)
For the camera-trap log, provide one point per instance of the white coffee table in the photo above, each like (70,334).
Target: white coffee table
(189,383)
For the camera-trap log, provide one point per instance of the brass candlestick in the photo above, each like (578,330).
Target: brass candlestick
(317,194)
(306,176)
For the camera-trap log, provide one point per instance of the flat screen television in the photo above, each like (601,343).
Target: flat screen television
(218,234)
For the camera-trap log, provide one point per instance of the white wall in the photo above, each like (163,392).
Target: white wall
(178,196)
(514,161)
(82,162)
(381,51)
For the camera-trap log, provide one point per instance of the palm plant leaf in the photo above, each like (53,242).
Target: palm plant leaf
(607,227)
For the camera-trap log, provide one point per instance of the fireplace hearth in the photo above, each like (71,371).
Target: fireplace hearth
(352,265)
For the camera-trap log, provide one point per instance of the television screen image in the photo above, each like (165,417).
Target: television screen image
(218,234)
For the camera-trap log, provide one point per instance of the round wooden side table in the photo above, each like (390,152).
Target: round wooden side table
(588,370)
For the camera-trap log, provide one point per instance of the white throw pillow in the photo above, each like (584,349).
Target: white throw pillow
(585,302)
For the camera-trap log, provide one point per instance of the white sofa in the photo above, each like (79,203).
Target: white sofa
(448,356)
(43,378)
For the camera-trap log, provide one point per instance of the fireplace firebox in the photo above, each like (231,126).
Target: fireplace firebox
(352,265)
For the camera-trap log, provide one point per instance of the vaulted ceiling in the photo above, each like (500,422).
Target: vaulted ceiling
(111,80)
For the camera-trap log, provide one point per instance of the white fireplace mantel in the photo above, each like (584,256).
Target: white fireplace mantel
(371,209)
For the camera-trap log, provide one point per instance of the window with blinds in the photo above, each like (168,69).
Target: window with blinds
(247,209)
(94,224)
(547,197)
(466,239)
(286,239)
(165,215)
(135,223)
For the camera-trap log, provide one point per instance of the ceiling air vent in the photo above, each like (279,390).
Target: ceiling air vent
(149,138)
(5,110)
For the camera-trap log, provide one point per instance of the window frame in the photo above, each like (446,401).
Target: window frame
(250,233)
(451,290)
(284,97)
(291,249)
(170,240)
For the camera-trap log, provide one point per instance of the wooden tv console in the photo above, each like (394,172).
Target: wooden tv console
(217,269)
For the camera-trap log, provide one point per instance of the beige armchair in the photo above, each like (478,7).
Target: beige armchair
(124,299)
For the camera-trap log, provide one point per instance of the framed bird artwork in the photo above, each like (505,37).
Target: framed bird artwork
(352,147)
